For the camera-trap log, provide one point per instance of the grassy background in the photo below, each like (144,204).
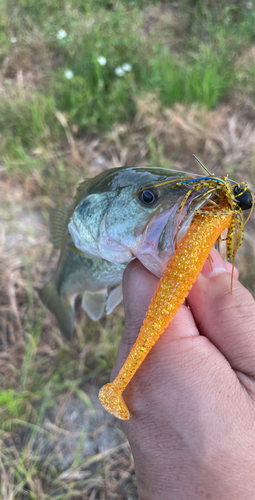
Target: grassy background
(187,55)
(86,86)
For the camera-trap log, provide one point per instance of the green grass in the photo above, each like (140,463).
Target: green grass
(205,78)
(200,69)
(194,59)
(30,396)
(31,124)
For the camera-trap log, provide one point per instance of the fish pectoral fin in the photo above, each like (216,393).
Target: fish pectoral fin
(63,311)
(58,220)
(94,303)
(115,297)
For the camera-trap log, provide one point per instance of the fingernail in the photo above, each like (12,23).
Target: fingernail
(215,266)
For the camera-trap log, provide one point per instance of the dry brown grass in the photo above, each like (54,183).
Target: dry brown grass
(56,441)
(72,448)
(224,140)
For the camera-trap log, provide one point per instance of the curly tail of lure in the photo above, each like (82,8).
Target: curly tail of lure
(182,271)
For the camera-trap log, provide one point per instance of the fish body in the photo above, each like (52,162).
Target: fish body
(121,214)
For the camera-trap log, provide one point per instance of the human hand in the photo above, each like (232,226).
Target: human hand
(192,401)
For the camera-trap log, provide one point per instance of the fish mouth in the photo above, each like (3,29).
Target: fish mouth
(164,232)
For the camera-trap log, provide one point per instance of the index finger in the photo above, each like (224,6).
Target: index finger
(226,319)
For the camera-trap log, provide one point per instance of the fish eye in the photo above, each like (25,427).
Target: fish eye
(148,196)
(243,197)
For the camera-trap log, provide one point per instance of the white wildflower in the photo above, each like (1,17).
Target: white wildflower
(119,71)
(61,34)
(102,60)
(126,67)
(13,39)
(69,74)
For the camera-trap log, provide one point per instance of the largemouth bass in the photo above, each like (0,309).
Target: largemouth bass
(121,214)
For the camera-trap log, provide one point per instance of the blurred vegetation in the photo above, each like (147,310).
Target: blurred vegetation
(73,71)
(91,60)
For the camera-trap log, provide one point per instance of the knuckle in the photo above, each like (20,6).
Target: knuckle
(129,338)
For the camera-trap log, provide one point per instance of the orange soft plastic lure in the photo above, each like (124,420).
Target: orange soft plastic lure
(182,271)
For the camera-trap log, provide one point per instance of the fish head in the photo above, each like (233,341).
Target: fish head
(132,212)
